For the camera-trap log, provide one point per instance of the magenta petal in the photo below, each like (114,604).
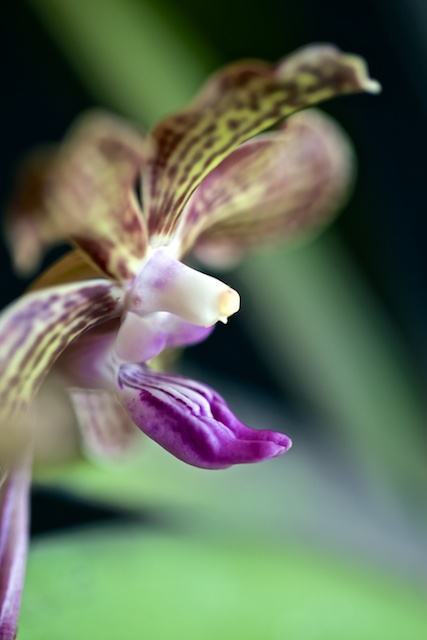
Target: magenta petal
(14,485)
(191,421)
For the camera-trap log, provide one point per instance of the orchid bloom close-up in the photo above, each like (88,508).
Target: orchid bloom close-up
(133,207)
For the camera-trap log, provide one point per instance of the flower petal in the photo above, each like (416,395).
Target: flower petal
(86,369)
(237,103)
(107,430)
(142,339)
(166,284)
(28,230)
(192,421)
(38,327)
(72,267)
(85,191)
(91,360)
(88,362)
(14,509)
(279,187)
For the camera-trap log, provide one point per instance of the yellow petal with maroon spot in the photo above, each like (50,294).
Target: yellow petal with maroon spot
(237,103)
(37,328)
(84,191)
(279,187)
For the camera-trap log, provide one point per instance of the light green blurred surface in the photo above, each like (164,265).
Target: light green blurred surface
(117,584)
(300,496)
(225,562)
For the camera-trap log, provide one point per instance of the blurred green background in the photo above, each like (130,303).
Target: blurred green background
(328,542)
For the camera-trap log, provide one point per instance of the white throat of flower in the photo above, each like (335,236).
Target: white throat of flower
(167,287)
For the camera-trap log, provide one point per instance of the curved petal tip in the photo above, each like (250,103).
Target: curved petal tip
(191,421)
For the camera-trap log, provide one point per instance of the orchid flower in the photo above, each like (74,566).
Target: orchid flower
(134,207)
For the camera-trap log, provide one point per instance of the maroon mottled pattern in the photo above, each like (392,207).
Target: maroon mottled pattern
(87,195)
(191,421)
(37,328)
(92,186)
(237,103)
(279,187)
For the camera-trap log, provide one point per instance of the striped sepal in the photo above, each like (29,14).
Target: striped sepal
(279,187)
(84,191)
(236,104)
(37,328)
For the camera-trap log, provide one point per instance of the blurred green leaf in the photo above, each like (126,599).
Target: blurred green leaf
(136,585)
(327,329)
(127,52)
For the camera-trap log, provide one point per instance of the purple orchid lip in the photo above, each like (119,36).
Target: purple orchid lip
(191,421)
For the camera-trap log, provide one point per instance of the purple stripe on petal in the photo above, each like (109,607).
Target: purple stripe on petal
(191,421)
(38,327)
(14,485)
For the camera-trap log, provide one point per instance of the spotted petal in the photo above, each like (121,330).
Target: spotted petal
(14,508)
(280,186)
(84,190)
(236,104)
(192,421)
(38,327)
